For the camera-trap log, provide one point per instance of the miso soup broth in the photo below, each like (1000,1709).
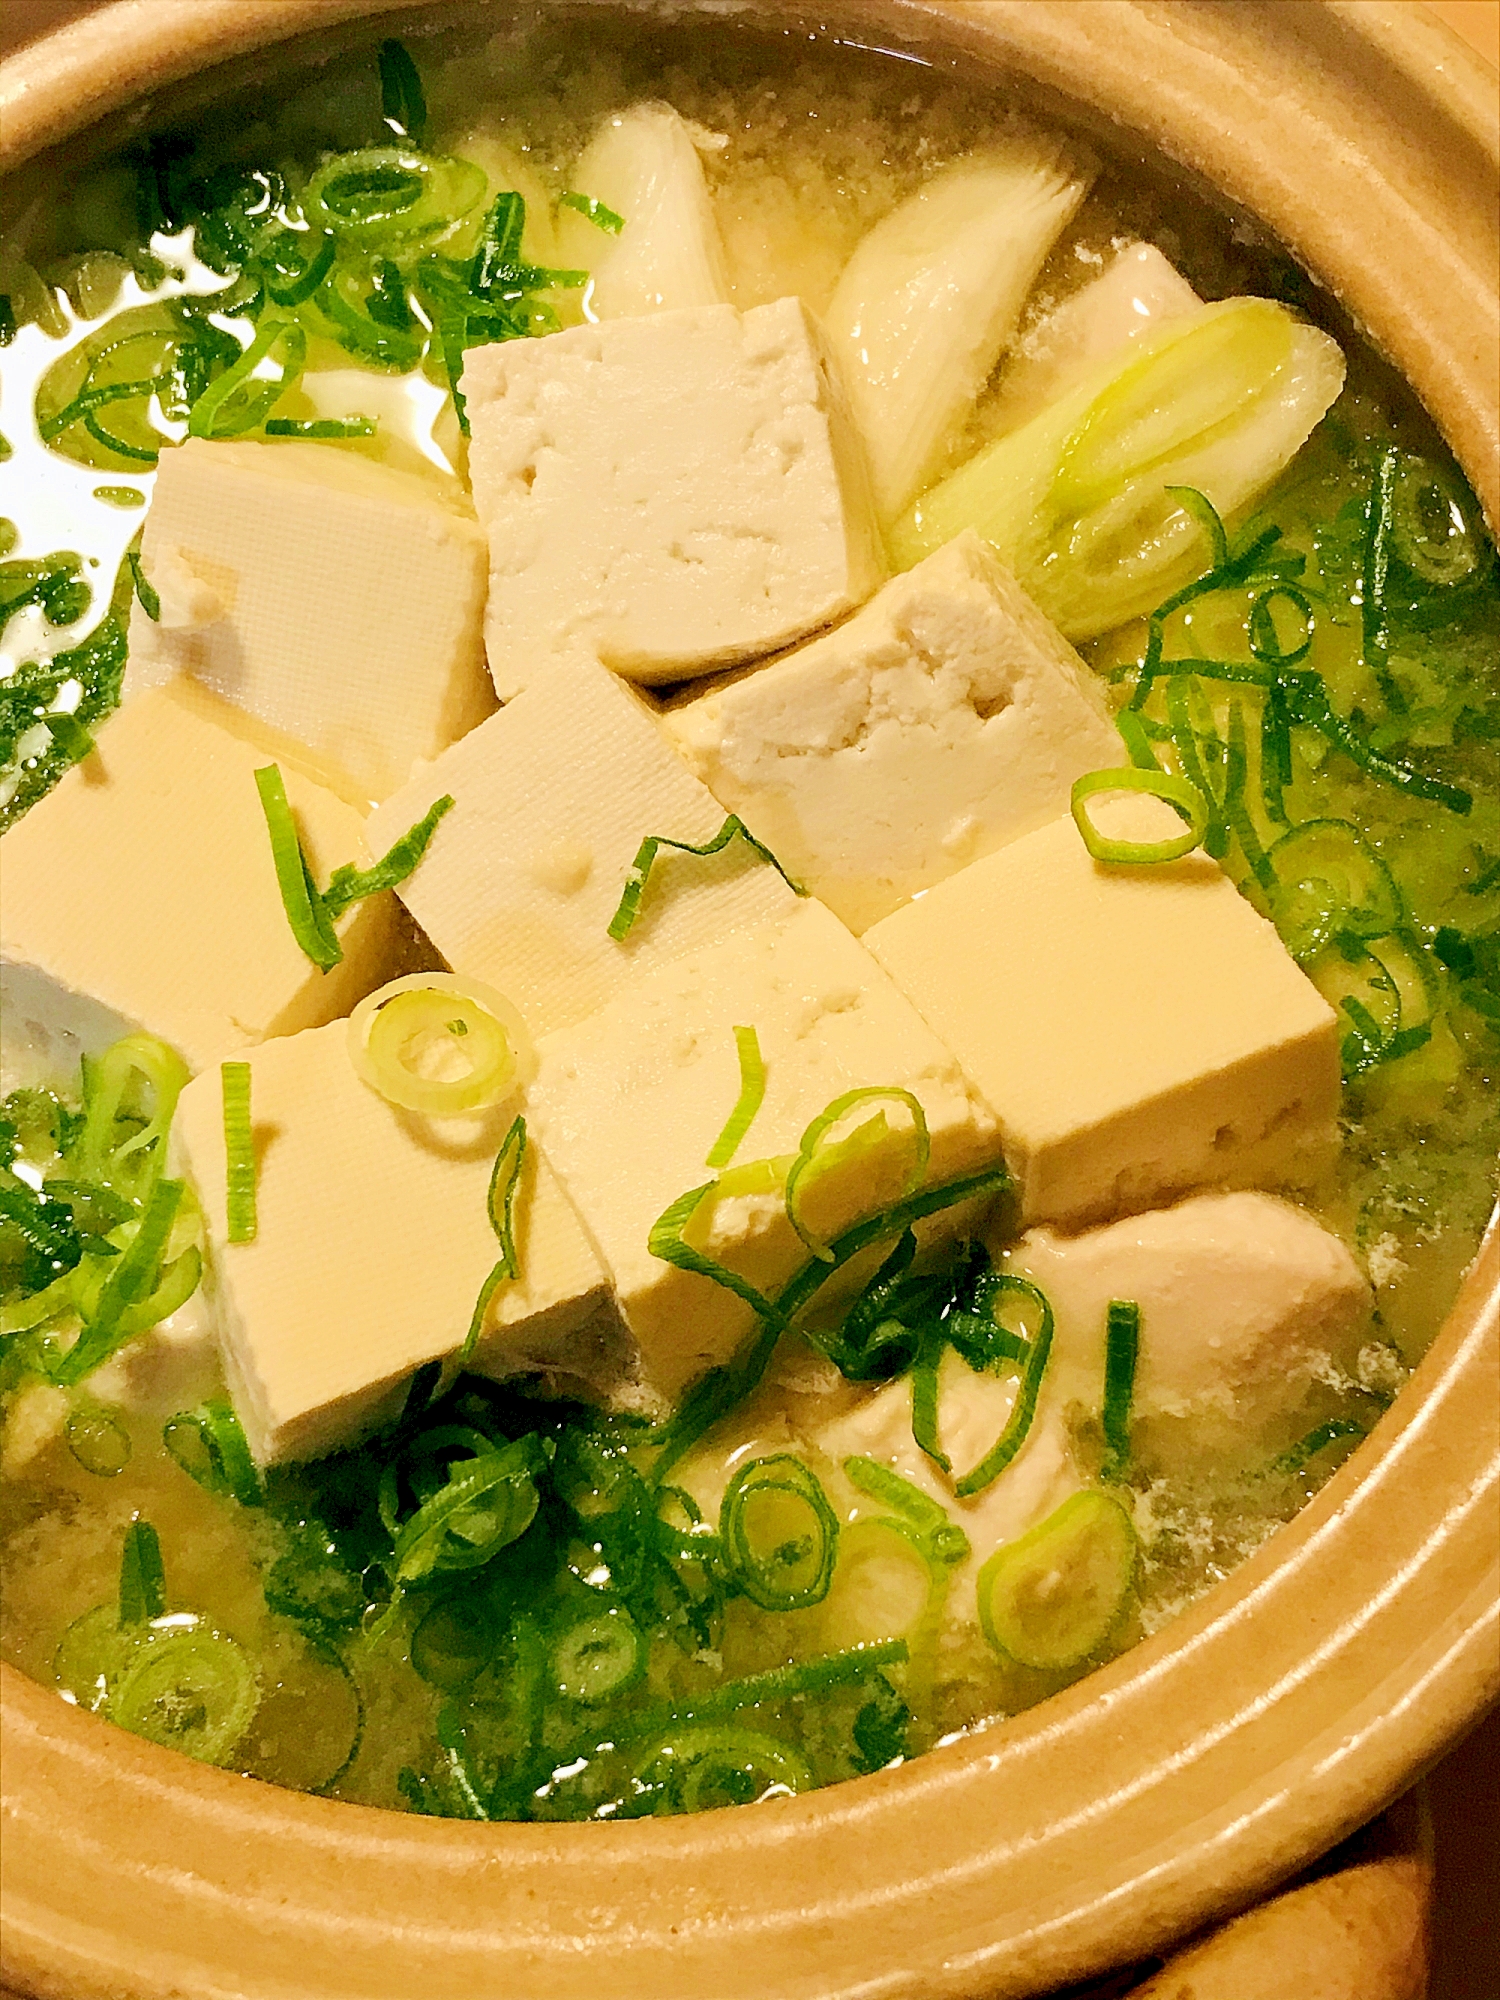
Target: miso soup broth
(681,1366)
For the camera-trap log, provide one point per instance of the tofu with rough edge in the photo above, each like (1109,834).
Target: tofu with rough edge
(144,882)
(1243,1298)
(373,1239)
(629,1102)
(1140,1031)
(945,719)
(672,493)
(339,600)
(552,798)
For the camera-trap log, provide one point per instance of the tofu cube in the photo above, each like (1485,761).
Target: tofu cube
(672,493)
(945,719)
(372,1243)
(1140,1031)
(1243,1298)
(629,1102)
(144,883)
(553,797)
(339,600)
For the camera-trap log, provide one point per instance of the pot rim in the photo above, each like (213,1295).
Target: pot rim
(1271,1718)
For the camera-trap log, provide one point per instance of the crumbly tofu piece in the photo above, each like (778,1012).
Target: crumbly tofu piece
(643,163)
(629,1102)
(673,493)
(553,797)
(1140,1031)
(373,1240)
(1243,1298)
(1136,292)
(339,600)
(144,883)
(945,719)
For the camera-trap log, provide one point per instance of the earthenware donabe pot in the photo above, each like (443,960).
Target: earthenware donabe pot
(1191,1776)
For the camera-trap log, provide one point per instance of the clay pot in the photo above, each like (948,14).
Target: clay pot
(1175,1786)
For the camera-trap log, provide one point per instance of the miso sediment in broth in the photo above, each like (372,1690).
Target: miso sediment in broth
(963,1432)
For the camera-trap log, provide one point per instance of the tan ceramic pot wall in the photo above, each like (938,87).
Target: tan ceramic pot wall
(1180,1783)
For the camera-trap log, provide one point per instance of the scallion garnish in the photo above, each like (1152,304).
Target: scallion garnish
(505,1179)
(210,1446)
(780,1535)
(312,913)
(589,205)
(321,427)
(1051,1598)
(403,105)
(752,1095)
(143,1580)
(150,603)
(1122,1339)
(944,1541)
(1338,1430)
(1023,1410)
(820,1157)
(438,1044)
(598,1658)
(132,1289)
(733,828)
(239,1153)
(1184,798)
(238,400)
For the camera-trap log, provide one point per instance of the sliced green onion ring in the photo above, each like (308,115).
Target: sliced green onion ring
(188,1688)
(239,400)
(752,1095)
(392,194)
(820,1155)
(1051,1598)
(505,1181)
(704,1766)
(1432,525)
(780,1535)
(1023,1410)
(597,1658)
(99,1442)
(210,1446)
(435,1043)
(1185,799)
(1328,882)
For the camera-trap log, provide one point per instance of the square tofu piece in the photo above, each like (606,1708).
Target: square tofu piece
(372,1241)
(145,882)
(1140,1031)
(553,797)
(672,494)
(339,600)
(629,1102)
(943,720)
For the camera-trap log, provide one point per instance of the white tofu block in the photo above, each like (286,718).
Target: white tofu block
(945,719)
(629,1102)
(373,1240)
(144,882)
(672,493)
(553,797)
(1139,1030)
(643,163)
(1242,1296)
(1136,292)
(339,600)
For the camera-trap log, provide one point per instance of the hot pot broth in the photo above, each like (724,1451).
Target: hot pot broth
(597,1636)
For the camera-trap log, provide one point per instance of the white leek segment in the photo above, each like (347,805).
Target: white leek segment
(441,1045)
(1075,501)
(643,163)
(1132,296)
(931,296)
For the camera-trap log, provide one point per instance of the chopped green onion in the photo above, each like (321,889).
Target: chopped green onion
(321,427)
(1121,1346)
(406,1038)
(189,1689)
(349,884)
(305,910)
(150,603)
(120,496)
(1327,882)
(1432,525)
(640,869)
(598,1658)
(704,1767)
(819,1158)
(388,195)
(590,206)
(823,1674)
(1374,612)
(505,1178)
(1336,1431)
(499,249)
(209,1445)
(1265,640)
(487,1502)
(1133,735)
(238,401)
(1023,1410)
(1051,1598)
(292,284)
(752,1095)
(239,1153)
(403,105)
(131,1281)
(1184,798)
(667,1240)
(780,1535)
(944,1539)
(99,1442)
(143,1587)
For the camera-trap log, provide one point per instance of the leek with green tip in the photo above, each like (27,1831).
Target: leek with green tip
(931,296)
(1076,501)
